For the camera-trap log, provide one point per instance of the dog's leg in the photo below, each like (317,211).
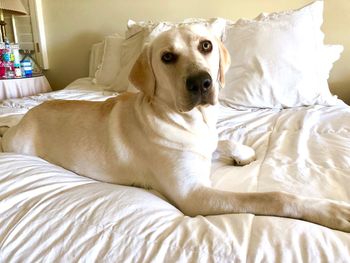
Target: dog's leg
(187,187)
(186,184)
(207,201)
(241,154)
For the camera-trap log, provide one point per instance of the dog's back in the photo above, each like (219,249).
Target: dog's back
(81,136)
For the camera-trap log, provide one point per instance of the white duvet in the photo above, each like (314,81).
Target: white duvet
(48,214)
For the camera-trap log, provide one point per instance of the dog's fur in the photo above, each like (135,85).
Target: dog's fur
(163,137)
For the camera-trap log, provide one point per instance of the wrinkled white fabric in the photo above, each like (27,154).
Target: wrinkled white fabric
(110,61)
(95,58)
(48,214)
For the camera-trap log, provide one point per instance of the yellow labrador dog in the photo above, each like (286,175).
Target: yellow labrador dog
(163,137)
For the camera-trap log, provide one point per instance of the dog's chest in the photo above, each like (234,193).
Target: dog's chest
(192,131)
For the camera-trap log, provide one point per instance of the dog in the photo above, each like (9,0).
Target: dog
(164,136)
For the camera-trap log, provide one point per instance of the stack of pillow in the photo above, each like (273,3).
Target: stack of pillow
(279,60)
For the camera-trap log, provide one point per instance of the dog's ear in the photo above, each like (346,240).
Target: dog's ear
(224,64)
(141,75)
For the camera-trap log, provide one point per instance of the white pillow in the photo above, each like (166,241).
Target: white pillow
(139,33)
(110,63)
(95,60)
(279,60)
(130,50)
(85,84)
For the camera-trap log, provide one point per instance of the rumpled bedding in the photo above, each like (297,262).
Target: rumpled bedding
(49,214)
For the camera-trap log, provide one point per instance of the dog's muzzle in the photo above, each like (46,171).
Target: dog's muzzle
(200,88)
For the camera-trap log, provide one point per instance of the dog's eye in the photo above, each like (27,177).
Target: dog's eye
(205,46)
(169,57)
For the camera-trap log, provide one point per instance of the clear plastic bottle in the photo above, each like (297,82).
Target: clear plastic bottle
(17,70)
(7,63)
(16,60)
(15,52)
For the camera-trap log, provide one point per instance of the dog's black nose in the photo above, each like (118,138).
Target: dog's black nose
(199,83)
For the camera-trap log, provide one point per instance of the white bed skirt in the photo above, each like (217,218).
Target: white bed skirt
(15,88)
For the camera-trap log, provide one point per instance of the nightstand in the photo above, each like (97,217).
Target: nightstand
(21,87)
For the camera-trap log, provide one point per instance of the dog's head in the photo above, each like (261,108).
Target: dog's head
(184,67)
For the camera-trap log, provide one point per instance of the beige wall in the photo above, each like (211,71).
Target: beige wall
(73,25)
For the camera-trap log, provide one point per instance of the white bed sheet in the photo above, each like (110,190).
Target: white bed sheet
(48,214)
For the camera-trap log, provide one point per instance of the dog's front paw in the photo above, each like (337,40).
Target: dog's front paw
(330,214)
(243,155)
(342,214)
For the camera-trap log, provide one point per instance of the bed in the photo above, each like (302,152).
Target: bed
(299,130)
